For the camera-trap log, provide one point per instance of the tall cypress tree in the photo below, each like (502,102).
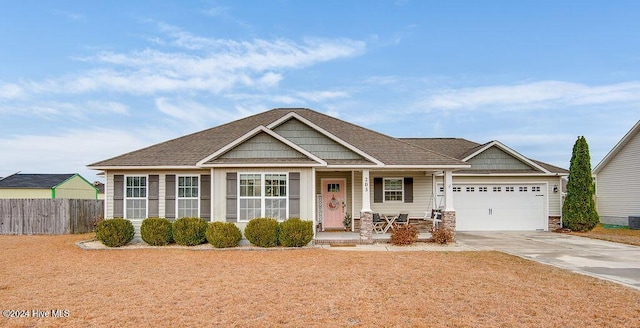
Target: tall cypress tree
(579,208)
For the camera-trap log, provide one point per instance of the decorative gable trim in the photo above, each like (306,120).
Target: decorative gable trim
(617,148)
(509,151)
(251,134)
(325,133)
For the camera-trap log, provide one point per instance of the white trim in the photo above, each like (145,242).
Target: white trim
(251,134)
(178,176)
(428,167)
(507,150)
(263,196)
(259,165)
(212,195)
(353,200)
(314,209)
(124,196)
(106,195)
(325,133)
(509,174)
(617,148)
(145,167)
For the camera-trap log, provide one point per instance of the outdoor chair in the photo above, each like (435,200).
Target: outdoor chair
(403,218)
(378,223)
(435,216)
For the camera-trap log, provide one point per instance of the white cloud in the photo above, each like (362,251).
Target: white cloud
(319,96)
(532,95)
(197,115)
(48,109)
(10,91)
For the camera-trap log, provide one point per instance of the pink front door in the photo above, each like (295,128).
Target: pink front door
(333,203)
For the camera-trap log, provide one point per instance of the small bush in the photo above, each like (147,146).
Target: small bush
(442,236)
(295,232)
(156,231)
(403,235)
(223,234)
(115,232)
(189,231)
(262,232)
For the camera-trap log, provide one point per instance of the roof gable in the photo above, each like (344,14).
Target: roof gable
(496,156)
(633,133)
(263,145)
(34,181)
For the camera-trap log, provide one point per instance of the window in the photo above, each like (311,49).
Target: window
(262,195)
(188,197)
(482,189)
(508,189)
(470,189)
(333,187)
(393,189)
(535,189)
(497,189)
(522,189)
(457,189)
(441,189)
(136,197)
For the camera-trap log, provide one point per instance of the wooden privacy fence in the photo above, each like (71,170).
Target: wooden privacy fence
(48,216)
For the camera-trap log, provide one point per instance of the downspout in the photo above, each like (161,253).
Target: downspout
(53,193)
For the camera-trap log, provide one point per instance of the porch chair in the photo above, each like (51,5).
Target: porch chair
(403,218)
(435,216)
(378,223)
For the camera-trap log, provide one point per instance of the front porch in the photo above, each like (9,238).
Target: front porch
(353,237)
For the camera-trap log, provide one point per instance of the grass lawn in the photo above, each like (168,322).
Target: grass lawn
(296,288)
(618,235)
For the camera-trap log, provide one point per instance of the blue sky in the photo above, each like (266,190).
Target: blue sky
(82,81)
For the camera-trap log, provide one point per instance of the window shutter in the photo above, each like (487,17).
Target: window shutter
(408,190)
(205,197)
(294,194)
(118,196)
(170,197)
(232,196)
(377,190)
(154,195)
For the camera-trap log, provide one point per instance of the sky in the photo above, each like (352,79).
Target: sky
(83,81)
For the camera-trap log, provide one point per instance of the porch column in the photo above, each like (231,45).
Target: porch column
(366,215)
(449,213)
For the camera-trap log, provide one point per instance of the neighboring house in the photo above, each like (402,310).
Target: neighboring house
(100,186)
(47,186)
(618,180)
(300,163)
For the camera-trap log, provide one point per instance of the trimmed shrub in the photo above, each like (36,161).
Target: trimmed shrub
(295,232)
(442,236)
(223,234)
(189,231)
(115,232)
(403,235)
(156,231)
(262,232)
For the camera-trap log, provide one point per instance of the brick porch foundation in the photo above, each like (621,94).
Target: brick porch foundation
(366,227)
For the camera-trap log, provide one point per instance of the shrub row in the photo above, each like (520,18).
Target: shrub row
(262,232)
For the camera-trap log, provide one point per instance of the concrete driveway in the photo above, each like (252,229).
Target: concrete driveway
(601,259)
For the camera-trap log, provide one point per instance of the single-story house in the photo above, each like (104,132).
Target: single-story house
(617,179)
(46,186)
(294,162)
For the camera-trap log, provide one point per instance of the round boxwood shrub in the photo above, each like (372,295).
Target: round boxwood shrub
(223,234)
(115,232)
(156,231)
(189,231)
(262,232)
(295,232)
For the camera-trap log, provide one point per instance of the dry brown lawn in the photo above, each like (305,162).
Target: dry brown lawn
(618,235)
(308,287)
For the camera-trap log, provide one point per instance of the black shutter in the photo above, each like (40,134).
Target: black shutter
(294,194)
(170,197)
(118,196)
(154,196)
(408,190)
(232,196)
(377,190)
(205,197)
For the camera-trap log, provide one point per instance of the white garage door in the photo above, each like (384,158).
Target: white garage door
(492,207)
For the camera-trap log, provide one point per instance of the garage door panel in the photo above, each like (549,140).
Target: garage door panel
(491,207)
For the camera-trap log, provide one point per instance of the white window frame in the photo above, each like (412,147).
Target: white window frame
(263,197)
(146,197)
(178,198)
(384,189)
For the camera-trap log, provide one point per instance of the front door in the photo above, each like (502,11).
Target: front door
(333,203)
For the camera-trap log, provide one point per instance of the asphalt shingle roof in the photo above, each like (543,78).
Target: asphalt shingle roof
(37,181)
